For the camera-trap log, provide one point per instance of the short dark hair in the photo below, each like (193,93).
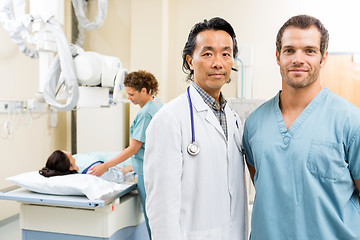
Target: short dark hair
(304,22)
(57,164)
(215,23)
(142,79)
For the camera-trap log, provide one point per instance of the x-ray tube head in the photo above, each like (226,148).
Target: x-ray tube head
(88,67)
(94,69)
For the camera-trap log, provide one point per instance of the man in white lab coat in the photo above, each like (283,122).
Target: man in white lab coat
(198,193)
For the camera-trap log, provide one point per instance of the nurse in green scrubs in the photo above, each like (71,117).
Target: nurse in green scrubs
(141,88)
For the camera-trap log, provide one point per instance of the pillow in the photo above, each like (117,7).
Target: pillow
(74,184)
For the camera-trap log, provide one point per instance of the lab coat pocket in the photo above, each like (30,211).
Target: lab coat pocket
(326,160)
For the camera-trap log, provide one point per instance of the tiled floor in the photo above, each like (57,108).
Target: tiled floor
(10,229)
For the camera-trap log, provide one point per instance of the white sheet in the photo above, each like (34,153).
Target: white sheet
(74,184)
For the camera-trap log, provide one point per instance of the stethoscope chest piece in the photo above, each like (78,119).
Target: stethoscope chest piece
(193,149)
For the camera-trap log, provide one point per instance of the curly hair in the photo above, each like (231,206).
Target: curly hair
(142,79)
(57,164)
(304,22)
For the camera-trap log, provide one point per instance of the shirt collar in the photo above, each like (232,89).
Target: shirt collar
(209,100)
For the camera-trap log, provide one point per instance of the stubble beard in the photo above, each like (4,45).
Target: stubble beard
(295,83)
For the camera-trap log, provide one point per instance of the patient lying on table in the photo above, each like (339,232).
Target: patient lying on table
(63,163)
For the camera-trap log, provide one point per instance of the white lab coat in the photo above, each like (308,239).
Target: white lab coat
(194,197)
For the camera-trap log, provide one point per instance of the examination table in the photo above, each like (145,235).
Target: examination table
(44,217)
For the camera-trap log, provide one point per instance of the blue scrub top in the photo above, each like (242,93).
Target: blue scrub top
(138,129)
(304,175)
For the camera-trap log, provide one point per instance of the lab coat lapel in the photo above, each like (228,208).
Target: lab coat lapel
(201,106)
(233,124)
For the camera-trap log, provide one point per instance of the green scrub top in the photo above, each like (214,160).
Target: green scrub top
(138,129)
(304,175)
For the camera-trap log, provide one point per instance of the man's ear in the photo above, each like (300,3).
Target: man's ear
(323,59)
(278,58)
(189,61)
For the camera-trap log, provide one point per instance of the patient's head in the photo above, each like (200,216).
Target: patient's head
(59,163)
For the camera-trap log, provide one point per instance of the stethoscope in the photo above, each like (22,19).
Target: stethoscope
(193,149)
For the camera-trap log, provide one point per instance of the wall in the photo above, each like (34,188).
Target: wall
(159,30)
(113,37)
(342,76)
(32,139)
(254,24)
(150,35)
(260,26)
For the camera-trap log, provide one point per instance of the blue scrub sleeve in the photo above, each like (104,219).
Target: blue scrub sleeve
(246,146)
(140,128)
(354,156)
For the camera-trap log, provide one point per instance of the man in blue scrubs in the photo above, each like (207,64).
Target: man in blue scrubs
(303,147)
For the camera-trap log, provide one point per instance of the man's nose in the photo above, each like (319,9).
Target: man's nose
(298,57)
(217,62)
